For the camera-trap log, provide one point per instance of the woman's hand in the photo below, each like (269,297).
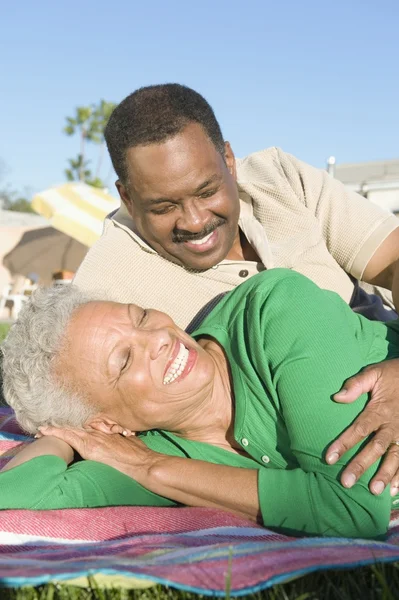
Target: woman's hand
(381,416)
(126,453)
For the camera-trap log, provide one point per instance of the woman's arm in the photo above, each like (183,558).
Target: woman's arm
(42,480)
(186,481)
(41,447)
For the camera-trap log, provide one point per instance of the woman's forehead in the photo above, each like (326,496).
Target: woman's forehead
(106,313)
(95,322)
(96,326)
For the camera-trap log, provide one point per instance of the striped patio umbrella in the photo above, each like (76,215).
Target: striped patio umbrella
(76,209)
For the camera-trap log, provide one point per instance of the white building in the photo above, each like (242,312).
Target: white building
(378,181)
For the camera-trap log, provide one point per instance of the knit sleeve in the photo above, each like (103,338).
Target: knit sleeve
(352,226)
(45,482)
(313,342)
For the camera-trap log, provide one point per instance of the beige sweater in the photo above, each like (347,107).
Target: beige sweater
(294,215)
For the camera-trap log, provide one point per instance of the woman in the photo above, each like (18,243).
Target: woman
(239,393)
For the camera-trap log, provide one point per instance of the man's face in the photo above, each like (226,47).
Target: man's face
(183,198)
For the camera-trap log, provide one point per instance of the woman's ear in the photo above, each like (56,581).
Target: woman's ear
(107,425)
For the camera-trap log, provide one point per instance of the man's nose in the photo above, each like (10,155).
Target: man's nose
(192,218)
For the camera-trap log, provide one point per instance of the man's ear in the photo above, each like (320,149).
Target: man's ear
(105,424)
(124,195)
(230,159)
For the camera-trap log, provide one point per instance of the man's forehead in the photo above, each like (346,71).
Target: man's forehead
(188,154)
(181,179)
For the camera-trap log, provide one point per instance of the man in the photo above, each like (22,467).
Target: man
(195,223)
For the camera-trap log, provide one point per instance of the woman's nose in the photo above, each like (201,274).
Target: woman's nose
(155,341)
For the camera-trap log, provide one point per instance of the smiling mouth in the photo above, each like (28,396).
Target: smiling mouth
(202,240)
(178,365)
(203,244)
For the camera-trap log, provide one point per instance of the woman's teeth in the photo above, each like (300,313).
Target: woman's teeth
(201,241)
(178,365)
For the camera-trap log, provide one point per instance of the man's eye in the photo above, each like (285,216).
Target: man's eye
(143,316)
(208,194)
(162,211)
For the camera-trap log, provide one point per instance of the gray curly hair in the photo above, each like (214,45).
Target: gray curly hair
(29,351)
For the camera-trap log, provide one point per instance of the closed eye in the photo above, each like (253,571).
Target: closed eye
(162,211)
(126,361)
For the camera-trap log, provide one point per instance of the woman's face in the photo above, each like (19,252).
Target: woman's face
(135,365)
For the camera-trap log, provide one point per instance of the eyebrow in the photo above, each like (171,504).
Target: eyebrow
(215,178)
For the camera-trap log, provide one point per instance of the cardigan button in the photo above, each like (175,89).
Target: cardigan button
(265,459)
(244,442)
(244,273)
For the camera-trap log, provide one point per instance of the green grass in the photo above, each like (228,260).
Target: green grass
(380,582)
(4,327)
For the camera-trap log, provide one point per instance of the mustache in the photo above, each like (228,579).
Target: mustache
(181,235)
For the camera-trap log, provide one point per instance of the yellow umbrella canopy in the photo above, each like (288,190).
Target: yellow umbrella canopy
(76,209)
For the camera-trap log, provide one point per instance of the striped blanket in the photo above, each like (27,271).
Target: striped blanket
(200,550)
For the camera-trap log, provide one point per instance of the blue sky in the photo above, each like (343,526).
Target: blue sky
(313,77)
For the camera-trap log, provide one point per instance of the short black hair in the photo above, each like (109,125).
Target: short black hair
(153,114)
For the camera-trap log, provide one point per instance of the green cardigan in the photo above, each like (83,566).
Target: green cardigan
(290,346)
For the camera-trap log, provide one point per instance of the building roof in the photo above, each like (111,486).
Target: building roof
(11,218)
(368,172)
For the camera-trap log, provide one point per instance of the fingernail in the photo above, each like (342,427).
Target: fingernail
(332,458)
(349,479)
(342,392)
(378,487)
(124,432)
(36,436)
(394,490)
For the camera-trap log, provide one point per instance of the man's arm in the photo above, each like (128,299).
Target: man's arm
(382,413)
(364,240)
(356,231)
(383,267)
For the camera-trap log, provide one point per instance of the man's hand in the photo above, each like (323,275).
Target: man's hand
(125,453)
(381,416)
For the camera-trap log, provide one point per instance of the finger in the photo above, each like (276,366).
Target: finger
(109,429)
(101,426)
(73,437)
(357,385)
(387,473)
(358,431)
(395,484)
(372,452)
(121,430)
